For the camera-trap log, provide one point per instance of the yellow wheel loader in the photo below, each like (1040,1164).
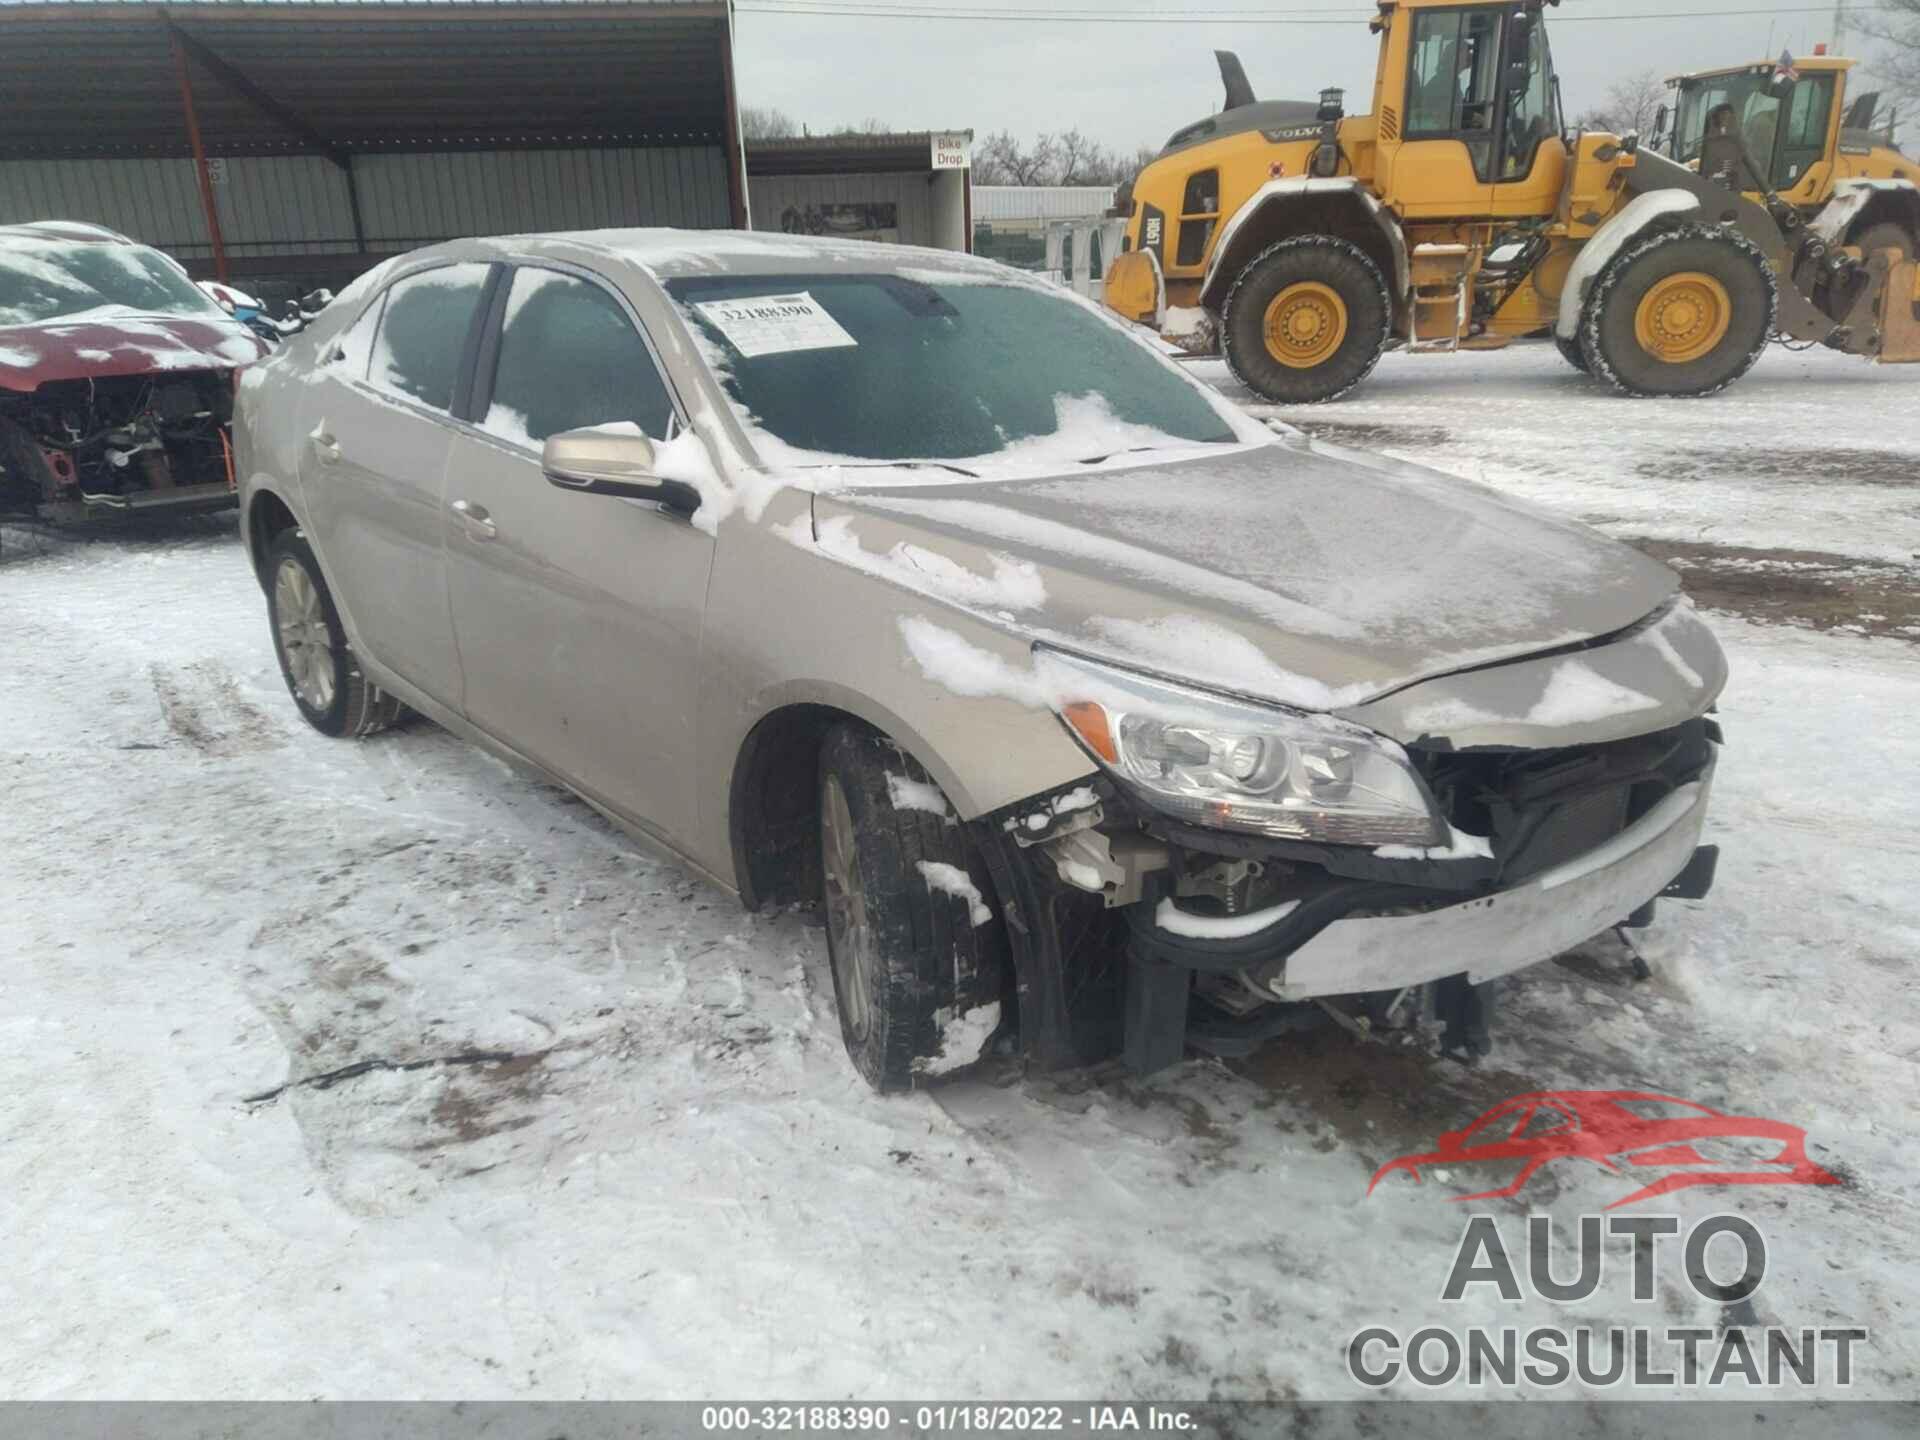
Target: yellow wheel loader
(1462,214)
(1833,161)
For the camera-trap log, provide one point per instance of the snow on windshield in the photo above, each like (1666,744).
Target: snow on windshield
(964,372)
(41,282)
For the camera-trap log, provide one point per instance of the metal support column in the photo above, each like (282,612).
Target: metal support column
(199,155)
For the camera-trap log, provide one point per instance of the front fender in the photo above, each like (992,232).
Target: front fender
(1631,221)
(1227,258)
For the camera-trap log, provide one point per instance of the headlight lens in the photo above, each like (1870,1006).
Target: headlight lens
(1212,760)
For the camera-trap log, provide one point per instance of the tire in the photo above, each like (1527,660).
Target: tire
(319,667)
(907,959)
(1572,353)
(1709,272)
(1316,278)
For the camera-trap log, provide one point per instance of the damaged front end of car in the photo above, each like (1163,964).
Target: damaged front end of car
(118,444)
(1234,862)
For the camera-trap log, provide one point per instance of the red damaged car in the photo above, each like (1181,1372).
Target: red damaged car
(116,377)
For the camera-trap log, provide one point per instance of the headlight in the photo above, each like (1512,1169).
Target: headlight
(1212,760)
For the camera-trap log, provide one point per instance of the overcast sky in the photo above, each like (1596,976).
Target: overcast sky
(1129,84)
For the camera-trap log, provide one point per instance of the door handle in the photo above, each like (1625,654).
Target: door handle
(324,445)
(479,525)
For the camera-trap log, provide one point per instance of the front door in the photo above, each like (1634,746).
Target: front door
(373,469)
(1444,164)
(577,616)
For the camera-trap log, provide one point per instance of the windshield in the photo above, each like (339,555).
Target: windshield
(46,282)
(1756,114)
(883,368)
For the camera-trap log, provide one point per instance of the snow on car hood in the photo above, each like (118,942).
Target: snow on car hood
(102,345)
(1297,572)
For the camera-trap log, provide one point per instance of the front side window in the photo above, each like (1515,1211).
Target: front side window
(423,333)
(1530,108)
(882,367)
(570,358)
(41,282)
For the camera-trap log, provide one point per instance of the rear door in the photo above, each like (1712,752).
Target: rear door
(578,616)
(373,469)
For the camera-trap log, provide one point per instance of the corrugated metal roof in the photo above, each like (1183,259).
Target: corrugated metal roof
(854,154)
(97,77)
(1041,202)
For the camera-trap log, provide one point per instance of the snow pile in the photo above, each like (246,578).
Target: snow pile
(945,879)
(1014,585)
(909,794)
(1576,694)
(1174,644)
(1460,846)
(963,1038)
(955,663)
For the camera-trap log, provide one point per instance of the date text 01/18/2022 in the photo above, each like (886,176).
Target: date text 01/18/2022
(975,1418)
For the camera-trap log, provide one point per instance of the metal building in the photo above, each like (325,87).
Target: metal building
(908,189)
(307,139)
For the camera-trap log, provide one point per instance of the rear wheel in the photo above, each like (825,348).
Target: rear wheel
(1307,320)
(321,672)
(1684,312)
(918,949)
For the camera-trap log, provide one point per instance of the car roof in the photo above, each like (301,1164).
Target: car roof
(678,254)
(72,232)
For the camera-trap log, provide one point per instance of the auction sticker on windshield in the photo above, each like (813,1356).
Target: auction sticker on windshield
(775,324)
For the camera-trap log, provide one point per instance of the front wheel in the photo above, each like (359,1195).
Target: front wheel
(1683,312)
(321,672)
(916,943)
(1307,320)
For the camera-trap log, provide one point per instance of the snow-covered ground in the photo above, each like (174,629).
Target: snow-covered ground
(603,1140)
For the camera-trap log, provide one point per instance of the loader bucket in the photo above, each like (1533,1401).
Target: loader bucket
(1133,287)
(1900,316)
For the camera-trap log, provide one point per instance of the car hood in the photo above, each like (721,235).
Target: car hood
(1296,572)
(121,344)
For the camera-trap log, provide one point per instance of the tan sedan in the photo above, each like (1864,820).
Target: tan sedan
(1096,715)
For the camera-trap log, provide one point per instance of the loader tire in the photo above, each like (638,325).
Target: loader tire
(1306,321)
(914,963)
(1683,312)
(320,668)
(1571,352)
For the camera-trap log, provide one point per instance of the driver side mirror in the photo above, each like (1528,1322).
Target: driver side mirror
(607,461)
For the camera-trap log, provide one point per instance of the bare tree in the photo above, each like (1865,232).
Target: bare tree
(1894,26)
(1632,103)
(765,123)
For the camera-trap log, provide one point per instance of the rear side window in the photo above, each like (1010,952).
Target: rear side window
(423,331)
(570,357)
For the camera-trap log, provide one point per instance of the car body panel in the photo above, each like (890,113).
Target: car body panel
(577,620)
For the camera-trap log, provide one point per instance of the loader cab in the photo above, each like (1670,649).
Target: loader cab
(1785,124)
(1469,111)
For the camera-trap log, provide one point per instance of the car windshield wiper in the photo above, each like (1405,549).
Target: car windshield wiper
(1131,450)
(895,465)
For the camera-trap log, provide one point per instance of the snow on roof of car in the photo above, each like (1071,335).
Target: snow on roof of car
(676,254)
